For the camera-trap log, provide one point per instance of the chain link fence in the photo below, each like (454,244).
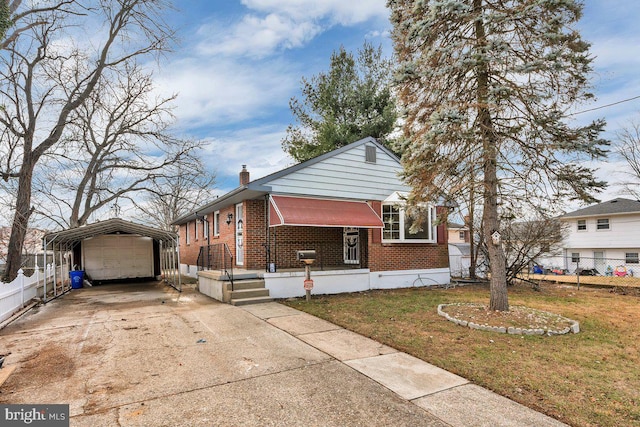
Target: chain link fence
(598,271)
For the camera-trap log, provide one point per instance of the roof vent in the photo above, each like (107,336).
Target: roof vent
(370,154)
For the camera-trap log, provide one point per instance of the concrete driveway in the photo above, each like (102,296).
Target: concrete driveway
(145,355)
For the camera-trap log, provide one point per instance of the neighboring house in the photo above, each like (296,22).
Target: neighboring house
(346,205)
(600,236)
(458,233)
(459,249)
(32,246)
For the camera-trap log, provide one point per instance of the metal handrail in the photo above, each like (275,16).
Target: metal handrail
(228,271)
(216,257)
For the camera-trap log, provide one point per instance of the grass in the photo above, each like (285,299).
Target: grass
(586,379)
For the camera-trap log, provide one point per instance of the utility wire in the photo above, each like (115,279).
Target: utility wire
(604,106)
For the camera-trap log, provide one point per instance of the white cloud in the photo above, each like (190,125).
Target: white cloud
(258,148)
(258,37)
(340,12)
(215,91)
(273,26)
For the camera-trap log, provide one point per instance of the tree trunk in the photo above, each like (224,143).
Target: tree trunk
(491,223)
(20,221)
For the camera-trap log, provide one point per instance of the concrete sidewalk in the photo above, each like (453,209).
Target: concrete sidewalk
(145,355)
(450,398)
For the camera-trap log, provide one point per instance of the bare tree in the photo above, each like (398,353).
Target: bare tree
(117,143)
(628,147)
(15,20)
(169,199)
(526,241)
(44,80)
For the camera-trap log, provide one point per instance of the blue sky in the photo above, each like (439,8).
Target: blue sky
(240,61)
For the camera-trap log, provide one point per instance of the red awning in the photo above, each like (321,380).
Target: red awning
(303,211)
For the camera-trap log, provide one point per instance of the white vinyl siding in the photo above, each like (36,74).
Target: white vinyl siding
(327,178)
(622,234)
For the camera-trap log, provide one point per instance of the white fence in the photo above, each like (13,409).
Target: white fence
(42,283)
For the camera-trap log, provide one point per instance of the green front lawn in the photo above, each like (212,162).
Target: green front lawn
(586,379)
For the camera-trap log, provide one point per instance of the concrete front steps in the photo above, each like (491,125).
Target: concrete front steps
(249,291)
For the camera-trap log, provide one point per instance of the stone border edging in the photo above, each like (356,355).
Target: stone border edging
(575,326)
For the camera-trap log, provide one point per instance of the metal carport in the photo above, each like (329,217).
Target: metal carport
(61,245)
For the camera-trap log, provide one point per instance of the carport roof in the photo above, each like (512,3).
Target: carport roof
(110,226)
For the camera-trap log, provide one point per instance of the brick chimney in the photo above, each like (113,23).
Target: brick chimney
(244,175)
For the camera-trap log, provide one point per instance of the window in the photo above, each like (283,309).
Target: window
(216,223)
(391,219)
(602,224)
(461,235)
(398,224)
(631,258)
(582,225)
(575,257)
(187,237)
(205,228)
(195,233)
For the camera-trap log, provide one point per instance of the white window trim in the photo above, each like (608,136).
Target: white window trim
(216,223)
(187,235)
(205,228)
(195,234)
(626,258)
(604,229)
(578,226)
(434,229)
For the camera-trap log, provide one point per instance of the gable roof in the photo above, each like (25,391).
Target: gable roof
(263,186)
(110,226)
(612,207)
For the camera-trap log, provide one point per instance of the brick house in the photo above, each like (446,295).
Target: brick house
(346,205)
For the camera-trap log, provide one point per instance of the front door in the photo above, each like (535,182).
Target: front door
(599,262)
(351,244)
(239,235)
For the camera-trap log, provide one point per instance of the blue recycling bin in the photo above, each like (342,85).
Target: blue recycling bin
(77,277)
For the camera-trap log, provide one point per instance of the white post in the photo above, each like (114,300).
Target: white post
(60,254)
(36,272)
(21,279)
(55,281)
